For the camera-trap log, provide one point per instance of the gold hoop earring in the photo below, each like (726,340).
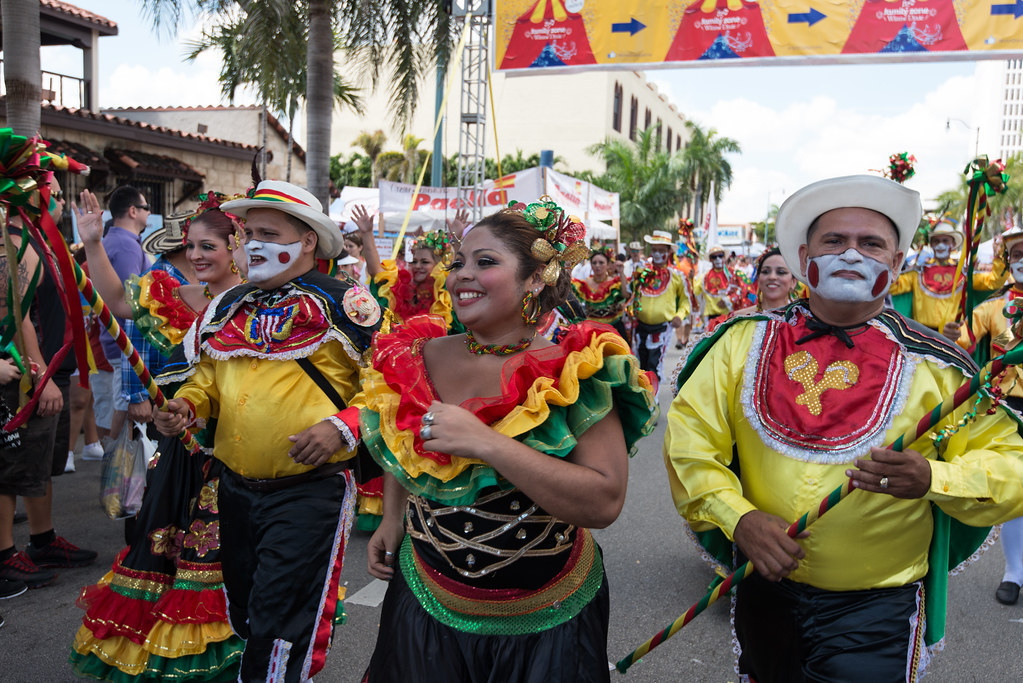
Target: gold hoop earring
(530,317)
(234,267)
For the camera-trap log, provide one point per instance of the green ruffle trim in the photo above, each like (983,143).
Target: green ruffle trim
(487,625)
(145,321)
(218,662)
(615,384)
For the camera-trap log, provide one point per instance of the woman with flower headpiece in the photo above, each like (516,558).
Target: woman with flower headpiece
(160,613)
(500,449)
(419,287)
(604,295)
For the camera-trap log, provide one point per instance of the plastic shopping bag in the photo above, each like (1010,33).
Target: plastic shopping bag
(123,477)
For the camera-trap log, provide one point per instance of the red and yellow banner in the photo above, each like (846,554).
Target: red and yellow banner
(537,34)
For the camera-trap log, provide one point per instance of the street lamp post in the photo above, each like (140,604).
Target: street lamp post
(976,140)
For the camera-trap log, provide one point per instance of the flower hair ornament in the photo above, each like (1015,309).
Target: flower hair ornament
(560,244)
(212,200)
(607,252)
(438,241)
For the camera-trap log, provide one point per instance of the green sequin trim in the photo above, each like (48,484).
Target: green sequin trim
(136,594)
(197,585)
(537,621)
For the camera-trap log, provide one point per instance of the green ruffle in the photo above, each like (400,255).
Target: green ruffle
(218,662)
(615,384)
(145,321)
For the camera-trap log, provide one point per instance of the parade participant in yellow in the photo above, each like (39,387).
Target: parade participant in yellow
(660,300)
(275,362)
(602,293)
(935,294)
(778,409)
(718,289)
(418,287)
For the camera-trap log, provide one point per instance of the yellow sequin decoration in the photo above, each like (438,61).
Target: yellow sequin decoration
(802,367)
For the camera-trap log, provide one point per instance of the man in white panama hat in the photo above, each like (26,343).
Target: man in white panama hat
(932,283)
(778,409)
(660,300)
(717,288)
(275,361)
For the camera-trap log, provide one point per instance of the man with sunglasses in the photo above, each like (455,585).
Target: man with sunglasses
(129,212)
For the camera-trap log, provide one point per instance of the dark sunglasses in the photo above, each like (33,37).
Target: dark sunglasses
(144,207)
(58,196)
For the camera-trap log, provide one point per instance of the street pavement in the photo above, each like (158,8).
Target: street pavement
(655,574)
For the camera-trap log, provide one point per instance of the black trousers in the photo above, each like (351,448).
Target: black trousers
(790,632)
(281,553)
(651,358)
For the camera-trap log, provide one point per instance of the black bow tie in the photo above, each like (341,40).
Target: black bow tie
(820,329)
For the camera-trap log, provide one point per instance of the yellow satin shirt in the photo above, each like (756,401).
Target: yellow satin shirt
(868,540)
(673,302)
(713,304)
(988,319)
(259,403)
(934,310)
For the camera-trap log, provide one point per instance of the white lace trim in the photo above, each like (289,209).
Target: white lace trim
(992,537)
(346,433)
(833,456)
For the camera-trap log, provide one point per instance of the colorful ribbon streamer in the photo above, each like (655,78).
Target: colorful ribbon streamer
(926,423)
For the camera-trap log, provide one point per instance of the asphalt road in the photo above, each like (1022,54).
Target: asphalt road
(655,573)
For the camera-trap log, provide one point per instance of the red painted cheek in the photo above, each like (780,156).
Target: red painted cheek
(880,284)
(284,257)
(813,274)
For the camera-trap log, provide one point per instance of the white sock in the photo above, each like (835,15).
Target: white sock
(1012,546)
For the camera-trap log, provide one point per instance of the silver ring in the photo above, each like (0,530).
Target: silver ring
(388,553)
(428,418)
(884,482)
(425,432)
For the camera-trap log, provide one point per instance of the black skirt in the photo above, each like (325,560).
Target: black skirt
(413,647)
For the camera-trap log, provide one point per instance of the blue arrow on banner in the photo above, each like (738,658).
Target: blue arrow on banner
(1016,9)
(811,17)
(632,28)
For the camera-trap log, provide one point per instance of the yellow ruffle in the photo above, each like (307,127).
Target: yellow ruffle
(441,305)
(165,640)
(533,411)
(371,505)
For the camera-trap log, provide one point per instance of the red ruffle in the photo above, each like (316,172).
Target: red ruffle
(398,357)
(111,614)
(182,606)
(374,488)
(406,303)
(163,290)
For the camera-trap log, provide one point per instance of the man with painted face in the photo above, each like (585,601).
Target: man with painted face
(717,287)
(778,409)
(660,300)
(932,283)
(274,361)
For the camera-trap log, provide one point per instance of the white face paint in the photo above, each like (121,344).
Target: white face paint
(658,257)
(874,281)
(1017,271)
(267,260)
(717,261)
(942,251)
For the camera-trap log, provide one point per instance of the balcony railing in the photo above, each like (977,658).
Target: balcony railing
(59,89)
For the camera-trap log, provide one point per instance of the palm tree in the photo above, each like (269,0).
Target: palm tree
(373,145)
(265,48)
(411,161)
(404,38)
(22,72)
(703,164)
(647,181)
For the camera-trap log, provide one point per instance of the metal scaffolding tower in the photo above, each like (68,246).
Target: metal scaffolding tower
(473,103)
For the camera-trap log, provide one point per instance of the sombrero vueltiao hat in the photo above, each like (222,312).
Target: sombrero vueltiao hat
(1011,236)
(659,237)
(635,245)
(716,249)
(297,202)
(168,237)
(899,203)
(946,227)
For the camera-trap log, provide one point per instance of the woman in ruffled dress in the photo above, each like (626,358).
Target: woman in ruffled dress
(500,449)
(603,293)
(160,613)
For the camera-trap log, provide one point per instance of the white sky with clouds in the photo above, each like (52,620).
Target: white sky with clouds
(795,124)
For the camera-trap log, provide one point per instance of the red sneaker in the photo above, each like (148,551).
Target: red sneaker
(20,567)
(61,553)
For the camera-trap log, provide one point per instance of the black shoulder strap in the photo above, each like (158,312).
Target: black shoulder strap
(321,381)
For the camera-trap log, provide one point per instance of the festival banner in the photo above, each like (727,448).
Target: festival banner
(524,186)
(558,34)
(603,205)
(570,194)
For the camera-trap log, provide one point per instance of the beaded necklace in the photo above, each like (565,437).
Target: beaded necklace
(494,349)
(206,292)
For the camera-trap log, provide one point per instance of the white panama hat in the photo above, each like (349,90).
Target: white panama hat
(944,227)
(899,203)
(297,202)
(659,237)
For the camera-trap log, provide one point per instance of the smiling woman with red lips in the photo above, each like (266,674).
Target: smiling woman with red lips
(502,449)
